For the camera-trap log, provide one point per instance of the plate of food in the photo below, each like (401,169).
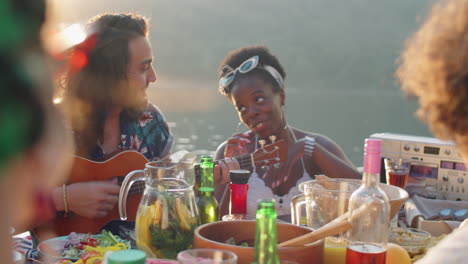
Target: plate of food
(77,245)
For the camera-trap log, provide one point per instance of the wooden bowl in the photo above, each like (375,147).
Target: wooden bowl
(214,235)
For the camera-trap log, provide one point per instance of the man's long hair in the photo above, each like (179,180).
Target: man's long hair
(89,92)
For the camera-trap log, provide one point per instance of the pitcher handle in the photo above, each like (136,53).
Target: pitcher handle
(297,202)
(123,194)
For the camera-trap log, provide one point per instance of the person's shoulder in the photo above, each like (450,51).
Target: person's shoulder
(151,108)
(319,138)
(219,153)
(154,111)
(452,249)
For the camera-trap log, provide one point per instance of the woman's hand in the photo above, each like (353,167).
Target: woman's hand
(221,170)
(295,153)
(93,199)
(236,145)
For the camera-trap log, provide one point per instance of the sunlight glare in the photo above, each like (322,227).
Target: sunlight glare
(63,39)
(72,35)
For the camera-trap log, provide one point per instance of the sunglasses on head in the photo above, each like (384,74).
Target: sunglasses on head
(246,67)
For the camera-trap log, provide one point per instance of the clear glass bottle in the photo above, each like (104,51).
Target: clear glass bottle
(206,201)
(266,242)
(369,209)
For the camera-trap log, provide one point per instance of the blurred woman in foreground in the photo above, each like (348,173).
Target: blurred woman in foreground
(33,144)
(434,69)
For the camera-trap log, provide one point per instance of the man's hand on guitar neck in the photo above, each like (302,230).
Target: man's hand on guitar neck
(94,199)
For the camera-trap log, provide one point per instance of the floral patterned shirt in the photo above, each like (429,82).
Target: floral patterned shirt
(148,134)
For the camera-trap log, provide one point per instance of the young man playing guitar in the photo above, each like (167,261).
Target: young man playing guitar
(104,95)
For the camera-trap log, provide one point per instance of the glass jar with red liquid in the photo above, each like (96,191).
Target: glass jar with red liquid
(239,188)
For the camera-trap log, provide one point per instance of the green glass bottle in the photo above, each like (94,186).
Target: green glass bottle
(206,202)
(266,242)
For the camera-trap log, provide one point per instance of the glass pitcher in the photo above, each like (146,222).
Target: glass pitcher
(167,214)
(321,201)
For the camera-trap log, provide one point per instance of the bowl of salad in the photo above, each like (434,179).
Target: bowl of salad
(78,245)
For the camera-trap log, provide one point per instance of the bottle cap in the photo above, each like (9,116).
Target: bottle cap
(372,155)
(131,256)
(372,145)
(206,158)
(266,204)
(239,176)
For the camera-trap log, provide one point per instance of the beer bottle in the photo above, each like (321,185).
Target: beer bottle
(206,202)
(266,243)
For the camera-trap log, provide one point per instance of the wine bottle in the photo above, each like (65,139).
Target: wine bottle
(369,211)
(206,202)
(266,242)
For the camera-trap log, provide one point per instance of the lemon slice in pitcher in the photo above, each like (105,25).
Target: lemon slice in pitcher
(156,212)
(184,214)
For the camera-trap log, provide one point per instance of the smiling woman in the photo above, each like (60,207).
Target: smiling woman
(252,79)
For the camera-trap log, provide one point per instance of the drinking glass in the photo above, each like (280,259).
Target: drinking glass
(397,172)
(207,256)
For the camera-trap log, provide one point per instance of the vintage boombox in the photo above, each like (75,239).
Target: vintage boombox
(436,170)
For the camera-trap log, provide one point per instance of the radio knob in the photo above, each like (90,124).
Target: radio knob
(406,147)
(445,178)
(416,148)
(460,180)
(448,151)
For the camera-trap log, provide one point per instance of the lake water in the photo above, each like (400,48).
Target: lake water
(340,57)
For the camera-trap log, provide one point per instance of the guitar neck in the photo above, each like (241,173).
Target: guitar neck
(245,162)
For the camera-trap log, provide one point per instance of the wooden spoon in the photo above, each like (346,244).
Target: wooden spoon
(321,233)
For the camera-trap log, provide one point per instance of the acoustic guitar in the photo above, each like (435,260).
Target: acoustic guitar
(120,165)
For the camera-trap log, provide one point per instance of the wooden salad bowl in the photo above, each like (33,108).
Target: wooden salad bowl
(214,235)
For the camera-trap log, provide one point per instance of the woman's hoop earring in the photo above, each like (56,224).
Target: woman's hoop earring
(238,126)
